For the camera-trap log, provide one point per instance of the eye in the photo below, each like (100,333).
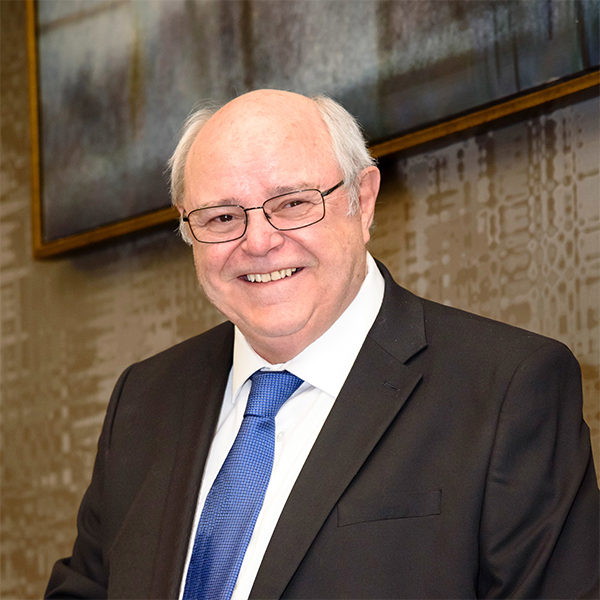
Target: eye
(294,202)
(217,217)
(285,203)
(223,218)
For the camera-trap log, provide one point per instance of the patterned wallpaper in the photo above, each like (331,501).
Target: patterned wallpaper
(505,224)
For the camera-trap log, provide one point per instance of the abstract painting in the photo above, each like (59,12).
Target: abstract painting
(116,78)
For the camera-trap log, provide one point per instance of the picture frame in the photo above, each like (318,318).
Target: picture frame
(71,201)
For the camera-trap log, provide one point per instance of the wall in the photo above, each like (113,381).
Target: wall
(506,225)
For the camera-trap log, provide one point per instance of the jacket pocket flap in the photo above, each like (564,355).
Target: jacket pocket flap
(402,506)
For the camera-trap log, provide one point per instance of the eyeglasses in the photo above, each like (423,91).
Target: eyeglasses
(293,210)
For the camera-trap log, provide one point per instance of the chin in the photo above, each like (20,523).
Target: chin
(273,325)
(269,330)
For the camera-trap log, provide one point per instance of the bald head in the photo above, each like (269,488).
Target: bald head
(268,110)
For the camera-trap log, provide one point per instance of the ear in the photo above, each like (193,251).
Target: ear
(368,190)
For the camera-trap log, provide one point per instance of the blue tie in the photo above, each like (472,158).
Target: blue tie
(236,497)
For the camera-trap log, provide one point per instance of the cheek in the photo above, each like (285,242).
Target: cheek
(366,233)
(349,240)
(208,267)
(198,263)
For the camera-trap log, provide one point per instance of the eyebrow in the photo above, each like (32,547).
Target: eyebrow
(271,193)
(286,189)
(222,202)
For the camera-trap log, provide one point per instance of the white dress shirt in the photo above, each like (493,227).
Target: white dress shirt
(323,366)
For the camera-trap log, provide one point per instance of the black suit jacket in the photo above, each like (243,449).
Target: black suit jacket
(454,464)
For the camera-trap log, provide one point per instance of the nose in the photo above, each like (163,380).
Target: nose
(261,237)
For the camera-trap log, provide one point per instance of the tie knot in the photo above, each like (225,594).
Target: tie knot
(270,389)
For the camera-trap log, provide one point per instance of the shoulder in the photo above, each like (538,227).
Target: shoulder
(471,333)
(209,351)
(200,346)
(164,384)
(461,337)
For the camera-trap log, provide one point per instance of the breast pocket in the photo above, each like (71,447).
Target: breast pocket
(401,506)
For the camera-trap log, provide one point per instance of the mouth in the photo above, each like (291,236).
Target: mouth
(273,276)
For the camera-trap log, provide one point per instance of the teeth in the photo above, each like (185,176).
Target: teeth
(274,276)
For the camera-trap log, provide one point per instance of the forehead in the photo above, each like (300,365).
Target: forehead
(246,147)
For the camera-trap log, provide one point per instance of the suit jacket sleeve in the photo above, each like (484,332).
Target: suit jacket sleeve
(136,516)
(83,575)
(539,529)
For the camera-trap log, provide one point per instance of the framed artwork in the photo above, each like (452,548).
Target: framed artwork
(113,80)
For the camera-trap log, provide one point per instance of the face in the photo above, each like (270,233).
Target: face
(258,146)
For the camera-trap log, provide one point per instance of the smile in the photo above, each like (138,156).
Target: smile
(274,276)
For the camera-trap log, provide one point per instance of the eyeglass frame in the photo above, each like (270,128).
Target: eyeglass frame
(186,218)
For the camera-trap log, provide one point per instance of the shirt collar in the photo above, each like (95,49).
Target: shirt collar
(325,364)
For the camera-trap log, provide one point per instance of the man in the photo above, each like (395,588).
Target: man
(425,452)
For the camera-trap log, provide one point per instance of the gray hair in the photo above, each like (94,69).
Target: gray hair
(176,165)
(348,147)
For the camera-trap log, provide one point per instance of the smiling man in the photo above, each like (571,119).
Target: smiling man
(243,157)
(338,437)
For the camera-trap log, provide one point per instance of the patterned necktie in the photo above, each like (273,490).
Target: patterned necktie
(237,495)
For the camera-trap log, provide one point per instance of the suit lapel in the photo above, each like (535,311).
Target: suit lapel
(376,389)
(203,395)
